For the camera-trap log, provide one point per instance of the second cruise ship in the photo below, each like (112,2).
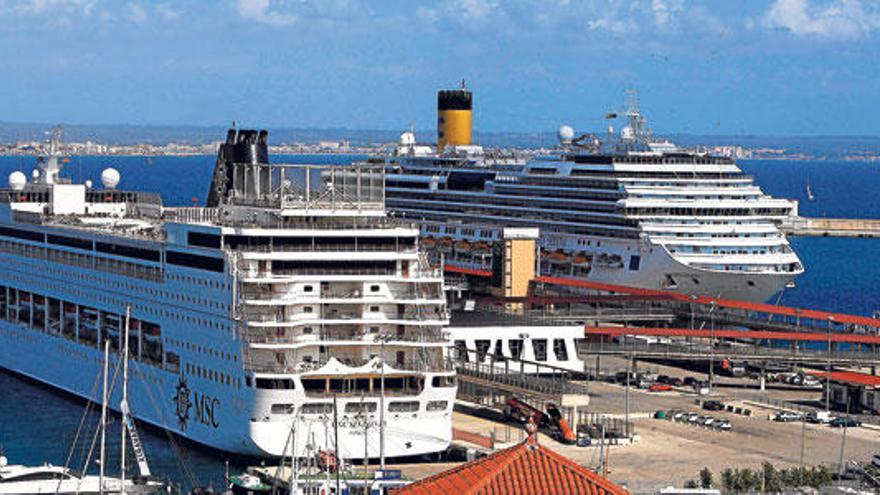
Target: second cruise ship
(625,209)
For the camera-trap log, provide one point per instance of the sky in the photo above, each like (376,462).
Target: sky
(775,67)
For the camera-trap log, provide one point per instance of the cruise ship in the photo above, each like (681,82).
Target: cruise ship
(626,208)
(290,315)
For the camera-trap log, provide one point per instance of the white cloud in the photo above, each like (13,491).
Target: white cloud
(264,11)
(167,12)
(837,19)
(135,13)
(37,7)
(664,11)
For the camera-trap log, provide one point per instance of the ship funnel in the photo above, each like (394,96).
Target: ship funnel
(237,170)
(454,112)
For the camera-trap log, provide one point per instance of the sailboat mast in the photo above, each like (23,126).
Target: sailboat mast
(123,405)
(103,419)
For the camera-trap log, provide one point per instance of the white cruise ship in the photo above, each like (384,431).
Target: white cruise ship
(631,210)
(267,323)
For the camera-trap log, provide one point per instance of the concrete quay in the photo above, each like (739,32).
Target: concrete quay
(831,227)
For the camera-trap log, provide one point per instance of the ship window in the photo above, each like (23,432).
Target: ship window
(308,288)
(275,383)
(461,353)
(360,407)
(482,349)
(307,309)
(443,381)
(634,262)
(282,409)
(516,347)
(403,406)
(560,349)
(540,348)
(374,309)
(374,288)
(437,405)
(317,408)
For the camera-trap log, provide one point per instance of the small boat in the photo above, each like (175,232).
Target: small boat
(26,480)
(810,195)
(248,484)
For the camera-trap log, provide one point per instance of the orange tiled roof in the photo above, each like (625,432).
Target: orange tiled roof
(523,469)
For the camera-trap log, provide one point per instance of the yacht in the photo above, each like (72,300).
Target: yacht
(26,480)
(625,208)
(289,309)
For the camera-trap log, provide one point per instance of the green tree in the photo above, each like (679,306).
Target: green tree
(727,479)
(691,484)
(772,478)
(706,480)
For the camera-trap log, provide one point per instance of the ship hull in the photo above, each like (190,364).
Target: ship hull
(227,422)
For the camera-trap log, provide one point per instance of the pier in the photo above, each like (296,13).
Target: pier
(831,227)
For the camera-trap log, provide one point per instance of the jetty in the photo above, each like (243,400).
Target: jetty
(831,227)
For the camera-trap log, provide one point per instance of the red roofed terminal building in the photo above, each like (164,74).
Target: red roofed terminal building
(524,469)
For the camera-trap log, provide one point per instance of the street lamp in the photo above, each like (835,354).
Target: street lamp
(712,307)
(828,369)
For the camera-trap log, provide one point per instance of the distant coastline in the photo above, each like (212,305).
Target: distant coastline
(28,139)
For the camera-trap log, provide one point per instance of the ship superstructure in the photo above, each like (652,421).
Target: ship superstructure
(289,315)
(624,209)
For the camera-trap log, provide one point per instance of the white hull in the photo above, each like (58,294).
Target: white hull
(655,266)
(73,368)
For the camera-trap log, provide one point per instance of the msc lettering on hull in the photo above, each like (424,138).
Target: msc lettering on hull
(205,408)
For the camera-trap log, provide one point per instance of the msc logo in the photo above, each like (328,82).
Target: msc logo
(204,407)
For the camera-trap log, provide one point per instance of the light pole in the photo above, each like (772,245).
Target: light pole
(828,369)
(712,307)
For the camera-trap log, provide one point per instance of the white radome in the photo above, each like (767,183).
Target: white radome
(17,180)
(110,178)
(408,138)
(565,133)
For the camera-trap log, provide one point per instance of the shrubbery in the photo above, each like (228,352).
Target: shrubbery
(768,479)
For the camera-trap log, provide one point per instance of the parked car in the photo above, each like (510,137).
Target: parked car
(844,422)
(707,421)
(786,416)
(679,415)
(713,405)
(659,387)
(693,417)
(818,417)
(722,424)
(689,381)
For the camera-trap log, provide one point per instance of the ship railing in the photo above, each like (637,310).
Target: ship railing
(327,248)
(440,366)
(193,214)
(331,318)
(353,295)
(327,271)
(256,336)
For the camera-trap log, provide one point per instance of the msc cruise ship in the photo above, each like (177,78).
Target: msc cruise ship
(289,315)
(626,209)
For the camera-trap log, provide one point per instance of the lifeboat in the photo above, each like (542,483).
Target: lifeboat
(582,260)
(444,245)
(558,257)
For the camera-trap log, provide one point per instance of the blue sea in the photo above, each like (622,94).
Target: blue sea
(37,425)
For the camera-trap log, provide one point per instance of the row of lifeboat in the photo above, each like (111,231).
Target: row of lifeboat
(448,245)
(581,259)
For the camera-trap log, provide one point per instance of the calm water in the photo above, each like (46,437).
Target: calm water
(37,425)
